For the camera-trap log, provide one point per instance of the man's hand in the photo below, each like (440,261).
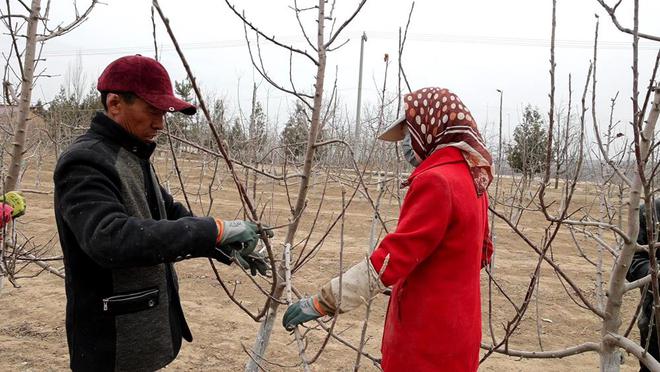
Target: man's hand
(238,231)
(255,262)
(237,240)
(16,201)
(302,311)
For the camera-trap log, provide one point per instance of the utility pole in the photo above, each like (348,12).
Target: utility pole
(359,97)
(497,185)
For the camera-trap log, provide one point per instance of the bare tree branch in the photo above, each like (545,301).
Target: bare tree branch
(62,30)
(297,11)
(270,38)
(551,354)
(247,202)
(341,28)
(612,13)
(633,348)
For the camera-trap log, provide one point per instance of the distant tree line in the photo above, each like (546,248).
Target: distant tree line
(248,137)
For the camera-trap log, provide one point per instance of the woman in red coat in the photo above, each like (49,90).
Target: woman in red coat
(433,259)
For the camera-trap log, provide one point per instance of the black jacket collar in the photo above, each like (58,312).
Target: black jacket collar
(108,128)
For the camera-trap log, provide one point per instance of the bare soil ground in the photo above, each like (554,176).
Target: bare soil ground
(32,334)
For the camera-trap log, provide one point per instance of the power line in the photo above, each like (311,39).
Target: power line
(422,37)
(516,41)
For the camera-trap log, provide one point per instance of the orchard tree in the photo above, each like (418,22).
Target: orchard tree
(526,153)
(27,28)
(183,89)
(180,123)
(68,116)
(258,134)
(236,138)
(296,130)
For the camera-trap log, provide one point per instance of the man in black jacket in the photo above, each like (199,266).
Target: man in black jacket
(120,231)
(639,268)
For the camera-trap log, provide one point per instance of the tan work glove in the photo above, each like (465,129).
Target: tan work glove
(359,284)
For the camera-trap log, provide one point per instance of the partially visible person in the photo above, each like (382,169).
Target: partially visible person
(434,257)
(5,215)
(12,206)
(121,231)
(639,268)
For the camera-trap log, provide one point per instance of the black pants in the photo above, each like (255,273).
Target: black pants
(643,324)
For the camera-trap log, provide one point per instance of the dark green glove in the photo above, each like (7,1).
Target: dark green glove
(239,239)
(255,262)
(300,312)
(239,231)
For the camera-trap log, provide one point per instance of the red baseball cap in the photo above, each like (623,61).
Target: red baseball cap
(146,78)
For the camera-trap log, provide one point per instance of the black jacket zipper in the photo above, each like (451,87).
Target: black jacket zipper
(130,297)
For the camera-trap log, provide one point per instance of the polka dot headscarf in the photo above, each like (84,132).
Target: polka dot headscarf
(436,118)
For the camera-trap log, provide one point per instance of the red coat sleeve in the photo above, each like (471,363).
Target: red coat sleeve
(423,222)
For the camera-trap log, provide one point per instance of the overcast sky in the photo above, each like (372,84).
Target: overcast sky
(472,47)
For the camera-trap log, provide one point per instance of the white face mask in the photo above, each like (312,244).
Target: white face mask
(408,152)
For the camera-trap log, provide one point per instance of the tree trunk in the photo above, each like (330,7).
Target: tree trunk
(26,95)
(2,264)
(266,328)
(253,139)
(609,356)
